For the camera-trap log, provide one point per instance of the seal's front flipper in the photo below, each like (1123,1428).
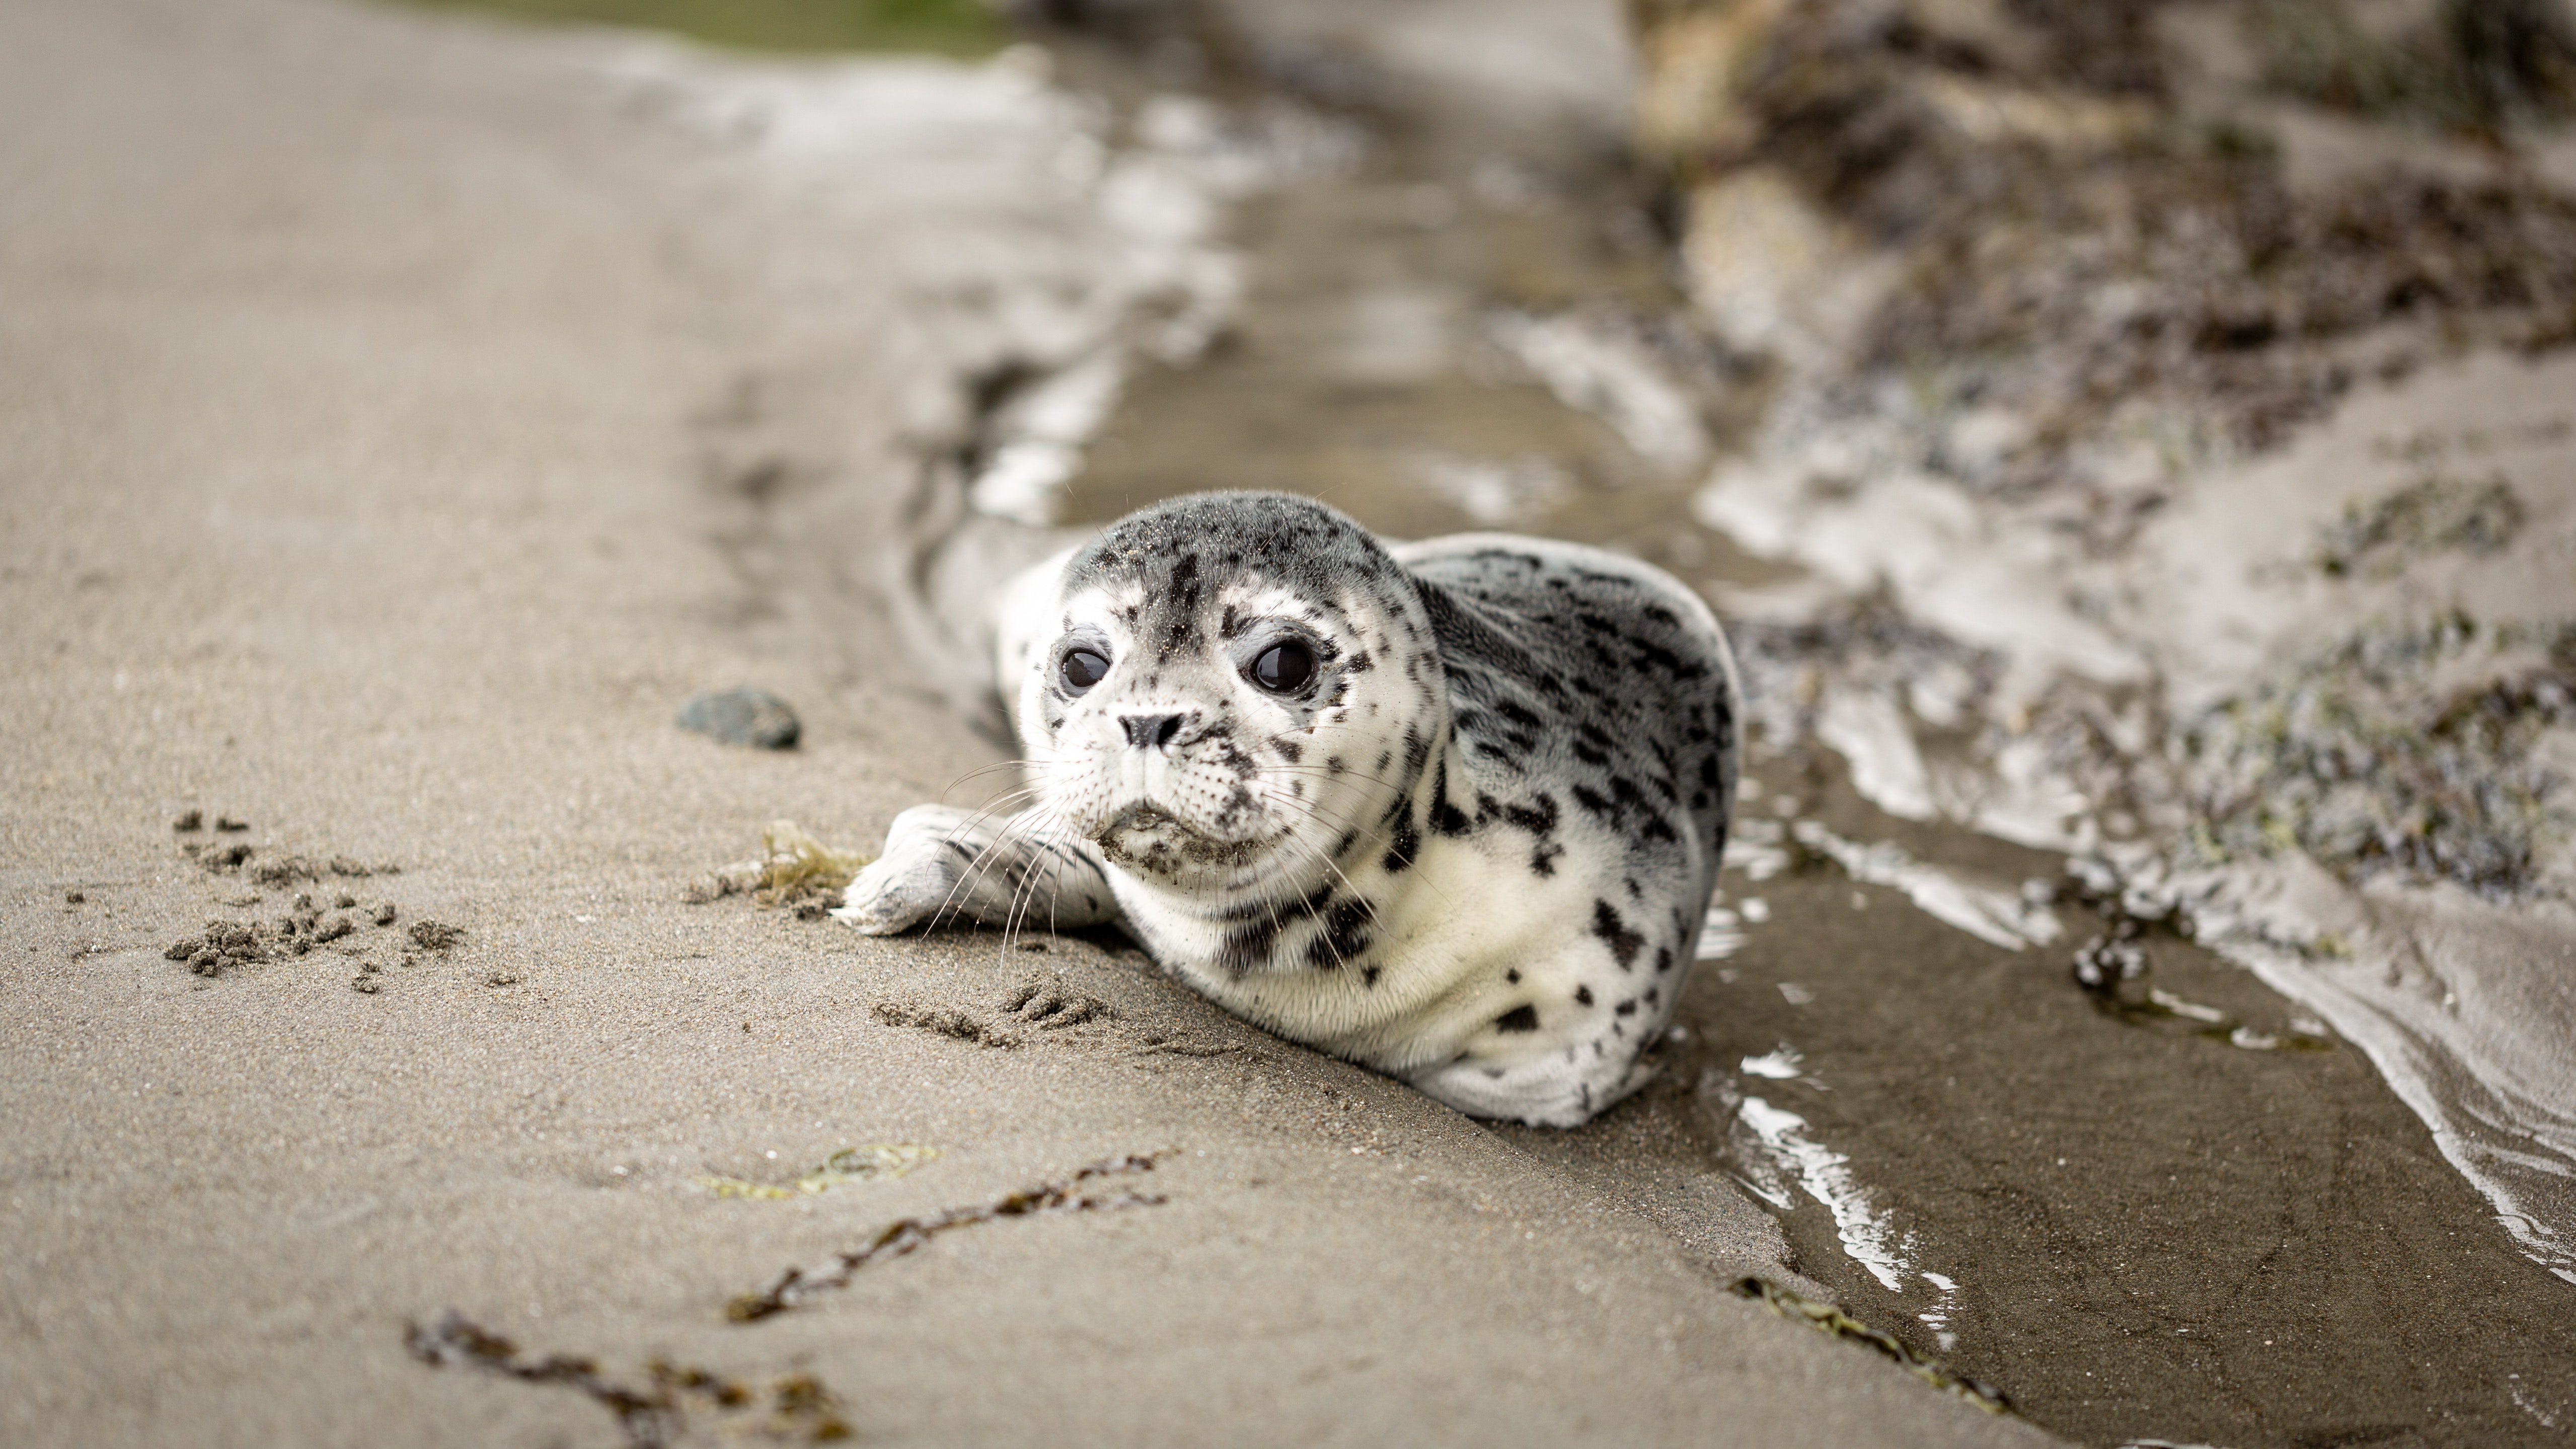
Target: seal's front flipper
(943,864)
(901,889)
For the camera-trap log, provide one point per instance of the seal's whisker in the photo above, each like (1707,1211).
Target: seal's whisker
(1382,833)
(1328,863)
(1025,894)
(1039,767)
(1320,773)
(957,838)
(964,830)
(993,856)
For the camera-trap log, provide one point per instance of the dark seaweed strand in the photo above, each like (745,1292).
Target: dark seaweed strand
(1826,1318)
(905,1236)
(651,1418)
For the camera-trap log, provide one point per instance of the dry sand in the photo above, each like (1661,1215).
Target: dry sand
(365,386)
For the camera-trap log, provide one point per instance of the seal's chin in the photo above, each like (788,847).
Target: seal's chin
(1149,840)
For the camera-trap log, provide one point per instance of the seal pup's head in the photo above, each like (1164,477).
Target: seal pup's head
(1236,691)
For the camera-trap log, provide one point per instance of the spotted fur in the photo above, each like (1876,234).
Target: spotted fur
(1473,851)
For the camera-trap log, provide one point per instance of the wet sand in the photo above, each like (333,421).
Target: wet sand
(2216,1224)
(404,420)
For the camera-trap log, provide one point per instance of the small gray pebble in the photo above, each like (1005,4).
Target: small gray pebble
(743,717)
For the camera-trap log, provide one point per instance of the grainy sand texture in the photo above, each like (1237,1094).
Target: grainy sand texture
(399,421)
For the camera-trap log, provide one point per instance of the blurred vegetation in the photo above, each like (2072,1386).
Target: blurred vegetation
(2471,65)
(2094,237)
(2367,758)
(944,27)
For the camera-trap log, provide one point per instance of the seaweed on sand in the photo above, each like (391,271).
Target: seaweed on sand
(2074,255)
(1827,1319)
(2470,65)
(797,1285)
(793,869)
(872,1163)
(654,1414)
(2361,758)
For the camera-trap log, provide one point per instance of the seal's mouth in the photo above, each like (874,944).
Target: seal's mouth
(1148,838)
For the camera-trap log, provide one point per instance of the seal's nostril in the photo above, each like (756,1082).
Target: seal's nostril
(1151,731)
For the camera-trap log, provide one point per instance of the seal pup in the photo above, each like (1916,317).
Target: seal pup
(1450,809)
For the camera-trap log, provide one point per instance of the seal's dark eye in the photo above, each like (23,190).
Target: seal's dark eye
(1082,669)
(1282,667)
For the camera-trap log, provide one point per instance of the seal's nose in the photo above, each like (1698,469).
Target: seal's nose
(1151,731)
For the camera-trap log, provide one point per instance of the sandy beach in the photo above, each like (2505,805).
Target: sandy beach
(2135,467)
(399,420)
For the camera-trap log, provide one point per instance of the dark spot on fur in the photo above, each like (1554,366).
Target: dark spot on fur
(1520,1018)
(1247,946)
(1446,818)
(1180,603)
(1583,995)
(1624,944)
(1407,843)
(1297,910)
(1538,818)
(1344,936)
